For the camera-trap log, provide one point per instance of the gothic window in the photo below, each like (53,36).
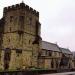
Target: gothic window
(7,56)
(11,18)
(21,22)
(21,18)
(21,27)
(50,53)
(56,63)
(52,64)
(6,66)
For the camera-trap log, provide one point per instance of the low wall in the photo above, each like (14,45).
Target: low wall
(34,72)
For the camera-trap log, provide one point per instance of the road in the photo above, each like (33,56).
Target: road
(65,73)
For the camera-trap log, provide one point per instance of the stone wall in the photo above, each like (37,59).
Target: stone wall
(20,36)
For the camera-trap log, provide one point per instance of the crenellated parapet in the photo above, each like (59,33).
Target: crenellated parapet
(21,6)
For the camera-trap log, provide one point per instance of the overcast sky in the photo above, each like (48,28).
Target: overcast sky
(57,19)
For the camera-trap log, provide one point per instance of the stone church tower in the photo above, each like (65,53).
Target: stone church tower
(19,37)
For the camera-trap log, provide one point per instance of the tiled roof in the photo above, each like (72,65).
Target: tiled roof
(50,46)
(64,50)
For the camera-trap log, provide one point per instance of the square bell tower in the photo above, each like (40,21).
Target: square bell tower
(21,37)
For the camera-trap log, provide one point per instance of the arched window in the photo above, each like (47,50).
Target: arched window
(52,64)
(21,22)
(7,55)
(11,18)
(50,53)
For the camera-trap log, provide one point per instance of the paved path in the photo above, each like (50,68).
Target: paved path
(65,73)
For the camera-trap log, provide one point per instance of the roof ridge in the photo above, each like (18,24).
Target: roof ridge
(65,49)
(50,46)
(49,42)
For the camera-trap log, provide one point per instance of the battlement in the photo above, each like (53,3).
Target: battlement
(21,6)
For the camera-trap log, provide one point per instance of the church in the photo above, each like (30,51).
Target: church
(19,37)
(21,46)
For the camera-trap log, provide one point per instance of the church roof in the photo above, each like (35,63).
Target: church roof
(66,51)
(50,46)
